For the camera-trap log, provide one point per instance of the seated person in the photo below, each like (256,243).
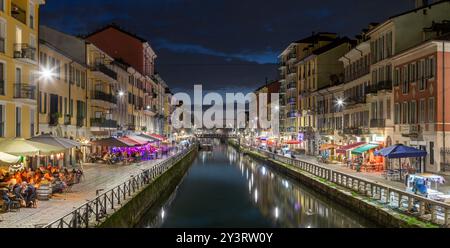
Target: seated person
(7,201)
(30,195)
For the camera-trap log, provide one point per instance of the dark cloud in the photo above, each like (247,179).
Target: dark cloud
(221,43)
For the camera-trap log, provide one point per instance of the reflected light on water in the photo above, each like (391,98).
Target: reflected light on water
(276,213)
(163,213)
(256,195)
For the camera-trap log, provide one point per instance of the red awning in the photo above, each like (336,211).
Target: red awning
(132,141)
(292,142)
(156,136)
(344,149)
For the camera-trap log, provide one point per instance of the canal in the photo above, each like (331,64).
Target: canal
(223,188)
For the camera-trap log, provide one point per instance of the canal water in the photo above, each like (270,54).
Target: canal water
(223,188)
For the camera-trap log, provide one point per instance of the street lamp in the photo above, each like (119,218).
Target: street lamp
(45,74)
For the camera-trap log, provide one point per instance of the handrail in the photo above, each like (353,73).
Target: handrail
(400,200)
(96,210)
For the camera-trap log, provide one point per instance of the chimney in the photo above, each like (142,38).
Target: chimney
(421,3)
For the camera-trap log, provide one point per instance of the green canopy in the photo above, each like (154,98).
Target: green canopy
(365,148)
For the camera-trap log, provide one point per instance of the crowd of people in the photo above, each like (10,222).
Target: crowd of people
(18,189)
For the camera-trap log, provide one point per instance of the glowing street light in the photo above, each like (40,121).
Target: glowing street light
(46,74)
(340,102)
(121,93)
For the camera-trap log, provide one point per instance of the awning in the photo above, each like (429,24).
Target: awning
(156,136)
(6,158)
(149,138)
(129,141)
(292,142)
(328,146)
(55,141)
(23,147)
(401,151)
(365,148)
(344,149)
(112,142)
(135,139)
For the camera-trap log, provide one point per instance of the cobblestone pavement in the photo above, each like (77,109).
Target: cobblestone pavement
(97,176)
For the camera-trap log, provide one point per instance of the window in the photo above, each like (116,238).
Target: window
(2,78)
(413,113)
(18,122)
(60,107)
(2,5)
(432,67)
(71,107)
(397,77)
(65,105)
(420,74)
(65,73)
(2,35)
(18,75)
(31,15)
(397,113)
(405,113)
(422,111)
(58,69)
(78,77)
(431,152)
(45,103)
(388,109)
(32,120)
(389,44)
(2,120)
(431,107)
(405,84)
(83,79)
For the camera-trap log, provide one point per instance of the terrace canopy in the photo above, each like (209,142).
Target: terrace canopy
(23,147)
(6,158)
(344,149)
(365,148)
(112,142)
(55,141)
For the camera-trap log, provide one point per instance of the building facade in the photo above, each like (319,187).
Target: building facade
(18,67)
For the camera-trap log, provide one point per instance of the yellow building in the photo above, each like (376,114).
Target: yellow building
(18,67)
(62,98)
(102,92)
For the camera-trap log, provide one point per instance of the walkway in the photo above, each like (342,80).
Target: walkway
(97,176)
(373,176)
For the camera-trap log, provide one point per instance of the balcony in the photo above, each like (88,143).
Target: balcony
(355,131)
(377,123)
(102,122)
(292,85)
(282,65)
(105,70)
(292,70)
(292,101)
(99,95)
(25,52)
(382,85)
(67,120)
(54,120)
(291,114)
(25,91)
(80,121)
(326,131)
(131,127)
(355,100)
(18,13)
(411,130)
(292,56)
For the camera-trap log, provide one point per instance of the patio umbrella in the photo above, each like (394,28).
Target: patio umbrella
(400,151)
(6,158)
(23,147)
(55,141)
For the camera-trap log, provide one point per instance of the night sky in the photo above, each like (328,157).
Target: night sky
(227,45)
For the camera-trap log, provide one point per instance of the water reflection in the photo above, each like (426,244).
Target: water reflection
(226,189)
(288,203)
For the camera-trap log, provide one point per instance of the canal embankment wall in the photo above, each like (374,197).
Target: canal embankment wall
(131,212)
(360,204)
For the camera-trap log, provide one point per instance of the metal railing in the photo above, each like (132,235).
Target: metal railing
(396,199)
(105,70)
(24,91)
(24,51)
(94,211)
(102,122)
